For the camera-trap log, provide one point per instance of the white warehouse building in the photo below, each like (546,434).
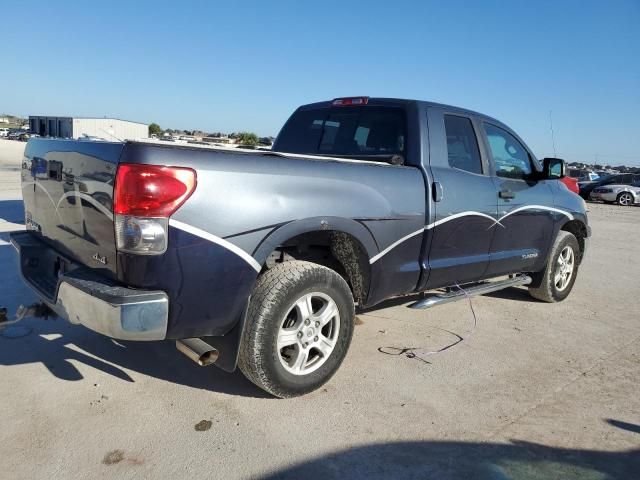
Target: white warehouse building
(78,127)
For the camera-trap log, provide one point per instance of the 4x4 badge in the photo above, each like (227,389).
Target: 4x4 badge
(99,258)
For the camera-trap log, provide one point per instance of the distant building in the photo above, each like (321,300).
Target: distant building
(4,120)
(225,140)
(77,127)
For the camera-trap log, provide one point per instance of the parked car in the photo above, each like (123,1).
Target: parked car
(621,194)
(571,184)
(259,258)
(14,134)
(4,132)
(618,179)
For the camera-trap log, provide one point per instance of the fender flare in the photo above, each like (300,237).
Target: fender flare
(315,224)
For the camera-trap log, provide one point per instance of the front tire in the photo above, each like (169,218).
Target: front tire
(557,279)
(299,328)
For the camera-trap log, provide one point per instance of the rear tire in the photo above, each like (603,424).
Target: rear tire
(299,328)
(557,279)
(625,199)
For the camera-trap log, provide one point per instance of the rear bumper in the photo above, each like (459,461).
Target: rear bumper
(82,296)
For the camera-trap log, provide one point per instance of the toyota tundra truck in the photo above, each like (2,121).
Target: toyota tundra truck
(258,259)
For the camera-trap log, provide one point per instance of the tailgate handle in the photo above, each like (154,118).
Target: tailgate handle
(507,194)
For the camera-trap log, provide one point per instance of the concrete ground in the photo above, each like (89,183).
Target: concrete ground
(534,391)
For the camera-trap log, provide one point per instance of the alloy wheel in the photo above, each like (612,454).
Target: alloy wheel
(625,199)
(564,268)
(308,333)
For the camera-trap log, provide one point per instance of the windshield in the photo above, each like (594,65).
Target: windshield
(345,131)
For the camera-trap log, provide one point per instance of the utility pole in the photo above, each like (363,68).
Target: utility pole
(553,138)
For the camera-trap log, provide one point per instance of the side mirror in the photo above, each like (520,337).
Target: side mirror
(553,168)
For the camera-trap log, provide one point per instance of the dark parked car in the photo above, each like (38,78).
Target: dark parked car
(617,179)
(15,134)
(259,258)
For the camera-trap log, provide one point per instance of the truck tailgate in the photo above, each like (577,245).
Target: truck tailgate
(67,187)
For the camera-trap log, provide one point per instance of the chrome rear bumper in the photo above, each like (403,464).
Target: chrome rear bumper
(83,297)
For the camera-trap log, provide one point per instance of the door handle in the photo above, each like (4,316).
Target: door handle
(438,191)
(506,194)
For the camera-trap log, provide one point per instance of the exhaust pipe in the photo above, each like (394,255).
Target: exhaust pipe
(197,350)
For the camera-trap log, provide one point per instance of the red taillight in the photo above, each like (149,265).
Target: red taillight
(151,190)
(350,101)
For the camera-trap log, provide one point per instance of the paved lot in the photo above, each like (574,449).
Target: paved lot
(534,391)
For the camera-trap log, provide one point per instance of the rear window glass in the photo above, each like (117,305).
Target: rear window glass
(462,145)
(348,131)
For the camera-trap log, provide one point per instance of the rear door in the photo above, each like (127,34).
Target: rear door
(464,200)
(526,211)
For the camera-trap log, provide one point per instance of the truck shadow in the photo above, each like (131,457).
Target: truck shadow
(56,345)
(520,294)
(516,460)
(12,211)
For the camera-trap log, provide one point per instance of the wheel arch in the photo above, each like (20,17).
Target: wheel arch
(579,230)
(334,241)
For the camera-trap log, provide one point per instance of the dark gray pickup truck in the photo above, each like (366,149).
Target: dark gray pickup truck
(258,259)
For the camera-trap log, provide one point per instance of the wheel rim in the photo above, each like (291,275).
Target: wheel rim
(564,268)
(625,199)
(308,333)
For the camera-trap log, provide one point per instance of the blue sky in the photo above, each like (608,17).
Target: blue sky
(246,65)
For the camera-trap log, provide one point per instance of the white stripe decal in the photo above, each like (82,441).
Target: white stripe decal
(394,245)
(462,214)
(536,207)
(469,214)
(220,241)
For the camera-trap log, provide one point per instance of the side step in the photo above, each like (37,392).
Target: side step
(480,289)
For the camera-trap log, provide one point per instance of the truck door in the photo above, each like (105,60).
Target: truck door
(463,198)
(526,212)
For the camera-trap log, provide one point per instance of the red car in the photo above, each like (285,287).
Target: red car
(571,183)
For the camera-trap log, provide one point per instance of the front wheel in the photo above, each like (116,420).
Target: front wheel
(557,279)
(299,327)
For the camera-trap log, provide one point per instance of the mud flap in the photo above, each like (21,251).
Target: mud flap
(228,346)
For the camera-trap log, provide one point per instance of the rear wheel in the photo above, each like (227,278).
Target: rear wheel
(299,327)
(557,279)
(625,199)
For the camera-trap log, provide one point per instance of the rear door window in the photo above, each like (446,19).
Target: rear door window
(345,131)
(462,144)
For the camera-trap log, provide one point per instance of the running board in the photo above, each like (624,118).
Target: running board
(481,289)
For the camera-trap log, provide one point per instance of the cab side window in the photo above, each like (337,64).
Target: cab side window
(462,144)
(509,156)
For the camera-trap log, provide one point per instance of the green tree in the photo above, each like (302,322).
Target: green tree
(247,138)
(154,129)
